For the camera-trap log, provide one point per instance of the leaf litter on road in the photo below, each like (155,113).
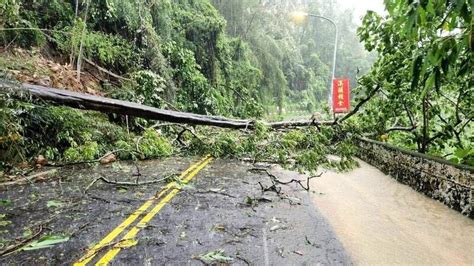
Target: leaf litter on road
(46,242)
(216,256)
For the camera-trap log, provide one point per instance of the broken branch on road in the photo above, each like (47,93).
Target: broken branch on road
(273,188)
(17,247)
(136,183)
(275,180)
(214,191)
(35,177)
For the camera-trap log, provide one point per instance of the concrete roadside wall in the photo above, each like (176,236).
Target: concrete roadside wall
(450,183)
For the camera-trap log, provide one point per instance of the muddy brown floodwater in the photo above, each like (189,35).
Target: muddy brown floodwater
(380,221)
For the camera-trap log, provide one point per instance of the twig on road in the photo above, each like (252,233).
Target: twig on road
(80,229)
(300,181)
(275,180)
(137,174)
(84,162)
(99,198)
(214,192)
(13,248)
(98,250)
(243,259)
(105,180)
(30,178)
(273,188)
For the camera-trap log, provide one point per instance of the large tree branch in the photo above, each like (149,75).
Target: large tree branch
(397,128)
(410,115)
(299,123)
(442,133)
(361,103)
(413,124)
(465,124)
(425,127)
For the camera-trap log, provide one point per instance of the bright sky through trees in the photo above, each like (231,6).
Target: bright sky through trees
(360,7)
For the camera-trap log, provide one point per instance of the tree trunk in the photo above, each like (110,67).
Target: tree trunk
(108,105)
(79,56)
(425,138)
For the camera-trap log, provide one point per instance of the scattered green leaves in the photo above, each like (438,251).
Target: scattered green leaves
(5,202)
(46,242)
(153,145)
(5,223)
(54,204)
(216,256)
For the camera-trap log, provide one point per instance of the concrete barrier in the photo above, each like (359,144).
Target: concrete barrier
(439,179)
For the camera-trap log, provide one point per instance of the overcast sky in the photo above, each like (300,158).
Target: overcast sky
(361,6)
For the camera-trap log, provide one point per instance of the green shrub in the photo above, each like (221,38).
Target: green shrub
(110,51)
(294,139)
(54,14)
(11,143)
(52,130)
(149,87)
(87,152)
(145,87)
(126,150)
(152,145)
(104,132)
(195,94)
(221,143)
(226,144)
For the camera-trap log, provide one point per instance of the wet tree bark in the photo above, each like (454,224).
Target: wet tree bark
(108,105)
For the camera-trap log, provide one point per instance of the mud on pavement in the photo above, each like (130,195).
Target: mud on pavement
(221,214)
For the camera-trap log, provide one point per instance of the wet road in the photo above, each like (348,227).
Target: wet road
(361,217)
(221,208)
(380,221)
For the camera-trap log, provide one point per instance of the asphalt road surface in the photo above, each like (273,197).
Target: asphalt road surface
(212,210)
(222,208)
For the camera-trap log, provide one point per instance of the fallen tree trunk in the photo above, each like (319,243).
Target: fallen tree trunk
(300,123)
(108,105)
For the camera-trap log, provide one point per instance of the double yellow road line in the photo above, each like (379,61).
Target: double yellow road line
(128,239)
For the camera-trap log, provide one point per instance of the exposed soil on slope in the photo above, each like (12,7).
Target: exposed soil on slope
(31,66)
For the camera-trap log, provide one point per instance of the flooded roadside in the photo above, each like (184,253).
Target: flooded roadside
(380,221)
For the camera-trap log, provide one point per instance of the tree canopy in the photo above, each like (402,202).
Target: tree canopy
(412,84)
(423,76)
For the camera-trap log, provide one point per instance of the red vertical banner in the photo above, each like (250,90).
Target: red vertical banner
(340,96)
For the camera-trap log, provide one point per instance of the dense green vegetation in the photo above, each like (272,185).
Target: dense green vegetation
(296,58)
(241,63)
(423,77)
(239,59)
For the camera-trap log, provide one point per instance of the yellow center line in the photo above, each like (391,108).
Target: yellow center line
(129,237)
(119,229)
